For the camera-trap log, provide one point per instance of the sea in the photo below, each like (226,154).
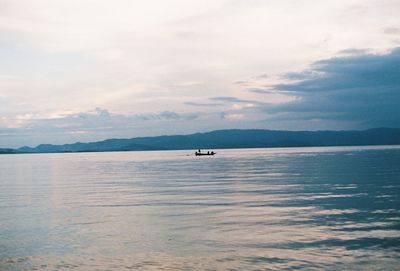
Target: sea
(330,208)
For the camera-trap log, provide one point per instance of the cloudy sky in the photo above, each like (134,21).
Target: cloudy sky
(86,70)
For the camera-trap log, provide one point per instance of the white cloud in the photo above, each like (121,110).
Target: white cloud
(234,117)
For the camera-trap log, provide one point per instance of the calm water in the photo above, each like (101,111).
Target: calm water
(258,209)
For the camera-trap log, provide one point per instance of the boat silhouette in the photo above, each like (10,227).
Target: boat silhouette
(199,153)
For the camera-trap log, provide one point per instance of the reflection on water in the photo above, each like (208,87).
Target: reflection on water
(274,209)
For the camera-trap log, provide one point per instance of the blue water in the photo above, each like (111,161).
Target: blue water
(252,209)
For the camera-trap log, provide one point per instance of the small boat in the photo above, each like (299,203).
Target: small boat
(199,153)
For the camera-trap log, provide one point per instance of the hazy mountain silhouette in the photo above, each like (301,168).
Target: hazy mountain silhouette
(223,139)
(7,151)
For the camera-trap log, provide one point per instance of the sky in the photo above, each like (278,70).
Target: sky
(88,70)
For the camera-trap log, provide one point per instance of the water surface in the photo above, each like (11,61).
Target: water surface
(252,209)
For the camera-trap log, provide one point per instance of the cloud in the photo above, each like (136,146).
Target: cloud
(307,74)
(103,116)
(265,90)
(232,116)
(392,30)
(260,90)
(355,51)
(203,104)
(242,82)
(232,99)
(360,88)
(269,98)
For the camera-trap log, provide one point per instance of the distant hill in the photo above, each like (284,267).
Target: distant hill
(7,151)
(226,139)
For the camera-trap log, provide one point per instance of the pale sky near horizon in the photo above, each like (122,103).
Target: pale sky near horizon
(87,70)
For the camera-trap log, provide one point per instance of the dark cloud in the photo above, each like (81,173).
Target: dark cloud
(363,88)
(307,74)
(169,115)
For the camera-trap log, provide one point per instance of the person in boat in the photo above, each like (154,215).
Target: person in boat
(205,153)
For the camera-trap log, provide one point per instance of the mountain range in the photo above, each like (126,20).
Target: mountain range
(226,139)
